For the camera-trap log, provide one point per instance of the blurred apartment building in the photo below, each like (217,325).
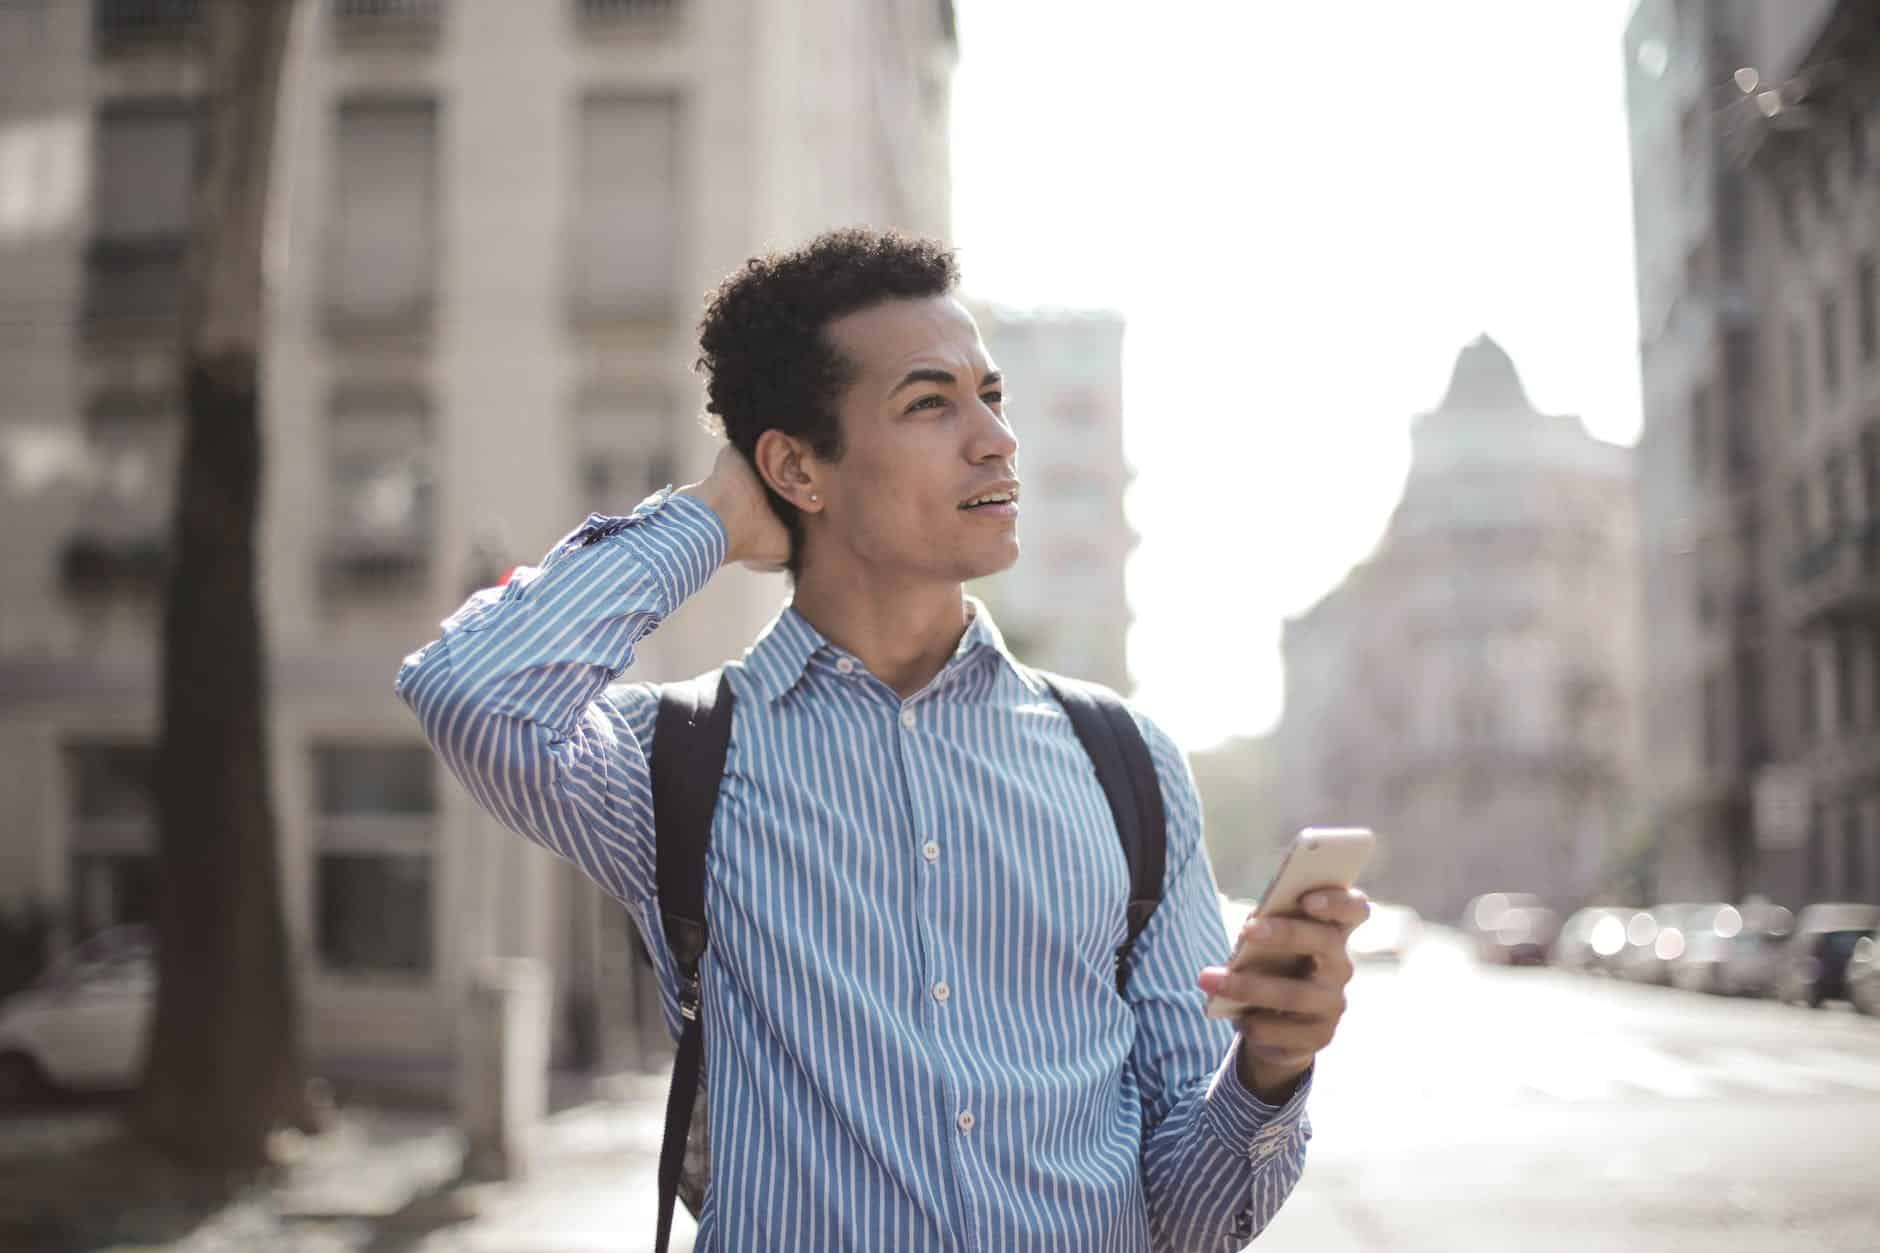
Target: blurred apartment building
(1470,690)
(1755,133)
(1064,606)
(493,227)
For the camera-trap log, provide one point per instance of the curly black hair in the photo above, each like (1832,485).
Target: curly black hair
(762,347)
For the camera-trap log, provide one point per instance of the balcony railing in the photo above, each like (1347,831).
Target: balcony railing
(376,564)
(134,286)
(121,24)
(399,21)
(606,13)
(1839,577)
(93,565)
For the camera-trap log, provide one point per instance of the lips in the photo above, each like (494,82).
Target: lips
(993,496)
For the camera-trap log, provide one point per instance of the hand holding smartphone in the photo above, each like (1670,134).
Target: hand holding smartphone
(1320,857)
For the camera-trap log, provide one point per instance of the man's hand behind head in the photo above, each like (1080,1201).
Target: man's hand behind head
(733,491)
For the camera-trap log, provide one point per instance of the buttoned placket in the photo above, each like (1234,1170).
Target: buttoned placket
(910,720)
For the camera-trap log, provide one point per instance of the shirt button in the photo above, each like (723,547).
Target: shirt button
(966,1120)
(907,717)
(930,851)
(941,992)
(845,666)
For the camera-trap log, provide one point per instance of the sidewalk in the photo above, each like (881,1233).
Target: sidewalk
(386,1181)
(378,1182)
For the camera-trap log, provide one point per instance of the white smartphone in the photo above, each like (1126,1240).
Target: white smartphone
(1320,857)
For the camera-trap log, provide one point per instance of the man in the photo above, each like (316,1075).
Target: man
(914,883)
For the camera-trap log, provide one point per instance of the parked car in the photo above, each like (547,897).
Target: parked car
(81,1025)
(1654,939)
(1592,937)
(1511,928)
(1815,970)
(1387,935)
(1752,960)
(1707,933)
(1863,974)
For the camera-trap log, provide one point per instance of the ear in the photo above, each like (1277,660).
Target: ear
(786,464)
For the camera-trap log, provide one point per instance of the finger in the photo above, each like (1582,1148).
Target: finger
(1294,937)
(1344,907)
(1271,992)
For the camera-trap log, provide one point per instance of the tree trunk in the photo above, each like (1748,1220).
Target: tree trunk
(223,1064)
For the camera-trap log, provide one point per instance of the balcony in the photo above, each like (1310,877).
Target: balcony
(375,565)
(401,23)
(603,17)
(1838,579)
(126,25)
(98,566)
(133,287)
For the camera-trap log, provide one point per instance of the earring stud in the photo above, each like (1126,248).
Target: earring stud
(813,497)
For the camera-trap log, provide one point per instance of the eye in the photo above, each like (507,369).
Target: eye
(930,401)
(994,397)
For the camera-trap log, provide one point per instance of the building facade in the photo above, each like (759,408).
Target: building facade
(1064,606)
(1470,690)
(1756,177)
(491,231)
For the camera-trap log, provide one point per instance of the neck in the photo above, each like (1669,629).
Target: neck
(903,635)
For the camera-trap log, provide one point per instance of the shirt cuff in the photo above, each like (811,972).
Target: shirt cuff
(1248,1124)
(688,540)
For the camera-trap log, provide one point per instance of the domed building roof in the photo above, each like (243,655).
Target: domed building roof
(1484,380)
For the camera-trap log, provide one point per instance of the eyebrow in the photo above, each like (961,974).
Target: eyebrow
(945,377)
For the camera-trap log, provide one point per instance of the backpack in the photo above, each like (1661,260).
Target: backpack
(690,738)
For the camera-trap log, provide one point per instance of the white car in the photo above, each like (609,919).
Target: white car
(1387,935)
(80,1027)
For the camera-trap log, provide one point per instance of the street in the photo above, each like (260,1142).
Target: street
(1468,1108)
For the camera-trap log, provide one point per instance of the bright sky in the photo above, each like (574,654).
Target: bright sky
(1304,211)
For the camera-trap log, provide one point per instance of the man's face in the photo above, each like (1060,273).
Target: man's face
(924,435)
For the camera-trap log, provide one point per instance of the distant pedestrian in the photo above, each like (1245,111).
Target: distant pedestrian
(916,1036)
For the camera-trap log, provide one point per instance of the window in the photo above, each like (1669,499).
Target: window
(1842,656)
(116,23)
(1751,733)
(376,806)
(1798,378)
(1834,493)
(1866,315)
(145,160)
(133,438)
(1739,356)
(615,10)
(1700,432)
(113,832)
(1854,872)
(1807,691)
(382,489)
(626,209)
(1870,471)
(384,210)
(1713,720)
(626,445)
(1732,225)
(1830,345)
(360,16)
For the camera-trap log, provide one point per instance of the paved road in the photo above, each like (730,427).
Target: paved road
(1467,1108)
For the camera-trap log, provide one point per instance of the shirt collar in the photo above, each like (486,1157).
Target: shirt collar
(780,657)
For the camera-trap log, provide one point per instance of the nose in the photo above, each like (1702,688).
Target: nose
(993,438)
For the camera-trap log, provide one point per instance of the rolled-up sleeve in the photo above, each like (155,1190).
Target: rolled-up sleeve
(512,694)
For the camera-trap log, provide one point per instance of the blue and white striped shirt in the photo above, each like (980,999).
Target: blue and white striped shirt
(913,1035)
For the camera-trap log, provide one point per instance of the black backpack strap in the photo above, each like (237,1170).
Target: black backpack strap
(690,739)
(1126,770)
